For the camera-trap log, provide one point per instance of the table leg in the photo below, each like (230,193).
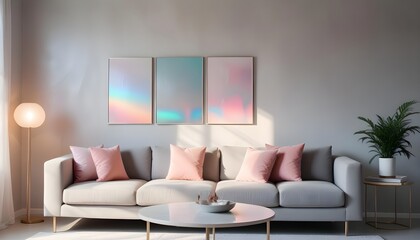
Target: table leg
(377,221)
(207,234)
(214,233)
(365,203)
(376,209)
(268,230)
(409,210)
(54,224)
(395,204)
(148,230)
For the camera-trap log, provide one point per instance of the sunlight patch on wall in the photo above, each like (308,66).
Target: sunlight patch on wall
(228,135)
(245,135)
(191,135)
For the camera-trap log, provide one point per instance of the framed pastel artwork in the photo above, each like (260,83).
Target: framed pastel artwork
(230,90)
(179,90)
(130,91)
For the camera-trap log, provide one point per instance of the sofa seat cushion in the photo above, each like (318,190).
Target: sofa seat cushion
(121,193)
(161,191)
(263,194)
(310,194)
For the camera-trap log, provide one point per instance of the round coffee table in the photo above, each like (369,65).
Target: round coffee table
(189,214)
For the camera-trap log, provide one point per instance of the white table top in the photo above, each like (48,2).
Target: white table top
(189,215)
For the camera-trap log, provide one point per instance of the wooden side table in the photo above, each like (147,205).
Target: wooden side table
(393,224)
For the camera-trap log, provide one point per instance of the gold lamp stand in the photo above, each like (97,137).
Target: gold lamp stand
(28,219)
(29,115)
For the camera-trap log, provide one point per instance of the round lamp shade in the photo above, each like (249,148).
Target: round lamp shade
(29,115)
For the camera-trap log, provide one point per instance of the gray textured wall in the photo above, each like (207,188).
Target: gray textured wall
(318,65)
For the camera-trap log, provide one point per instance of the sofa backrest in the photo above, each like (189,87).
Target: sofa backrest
(316,163)
(161,156)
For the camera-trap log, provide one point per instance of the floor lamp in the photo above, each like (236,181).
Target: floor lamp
(29,115)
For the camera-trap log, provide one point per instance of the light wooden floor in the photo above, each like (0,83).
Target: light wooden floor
(20,231)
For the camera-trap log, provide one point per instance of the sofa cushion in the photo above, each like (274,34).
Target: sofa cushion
(186,163)
(161,191)
(83,166)
(161,156)
(122,193)
(287,165)
(317,164)
(108,164)
(231,161)
(257,165)
(263,194)
(310,194)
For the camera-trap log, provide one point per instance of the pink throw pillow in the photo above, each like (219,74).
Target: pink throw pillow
(83,166)
(186,163)
(288,164)
(257,165)
(108,164)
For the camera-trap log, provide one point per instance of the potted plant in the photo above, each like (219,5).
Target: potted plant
(388,137)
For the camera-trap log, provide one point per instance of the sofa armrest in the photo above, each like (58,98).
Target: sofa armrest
(58,174)
(348,177)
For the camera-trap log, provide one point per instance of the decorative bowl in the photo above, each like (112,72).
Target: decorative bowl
(216,207)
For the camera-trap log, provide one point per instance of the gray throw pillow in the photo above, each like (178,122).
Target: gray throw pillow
(317,164)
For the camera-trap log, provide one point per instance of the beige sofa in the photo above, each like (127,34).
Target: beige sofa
(330,190)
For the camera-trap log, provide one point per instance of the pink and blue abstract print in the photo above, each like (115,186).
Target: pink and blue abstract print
(130,91)
(230,90)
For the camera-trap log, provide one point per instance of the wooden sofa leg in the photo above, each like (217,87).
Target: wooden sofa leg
(54,224)
(346,228)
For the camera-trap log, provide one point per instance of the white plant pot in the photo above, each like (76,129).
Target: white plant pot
(387,167)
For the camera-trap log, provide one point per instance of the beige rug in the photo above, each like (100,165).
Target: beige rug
(104,235)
